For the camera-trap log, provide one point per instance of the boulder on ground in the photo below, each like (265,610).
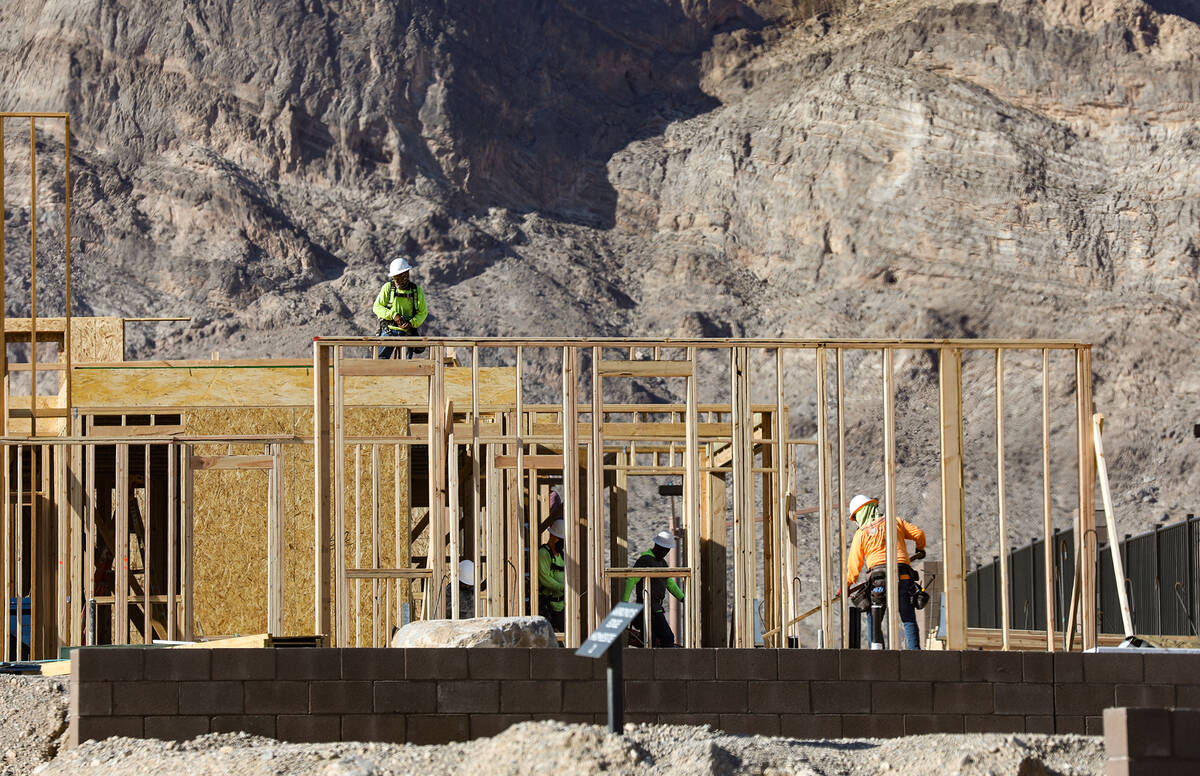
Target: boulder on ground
(478,632)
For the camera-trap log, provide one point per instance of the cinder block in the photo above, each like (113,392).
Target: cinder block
(211,698)
(254,724)
(919,724)
(1169,669)
(528,697)
(91,699)
(105,664)
(1039,723)
(750,724)
(1083,699)
(901,697)
(1112,667)
(275,697)
(685,664)
(243,664)
(384,728)
(841,697)
(779,697)
(1068,667)
(145,698)
(308,728)
(924,666)
(992,723)
(341,697)
(872,725)
(428,663)
(565,664)
(1137,733)
(758,664)
(1037,667)
(872,665)
(636,664)
(822,665)
(1187,696)
(1185,733)
(374,663)
(176,727)
(508,663)
(1155,696)
(981,666)
(584,697)
(1070,723)
(1093,725)
(1024,699)
(488,725)
(100,728)
(178,665)
(308,663)
(962,698)
(655,697)
(406,697)
(438,728)
(810,725)
(715,698)
(468,697)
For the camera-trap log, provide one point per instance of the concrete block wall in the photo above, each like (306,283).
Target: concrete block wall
(439,695)
(1152,742)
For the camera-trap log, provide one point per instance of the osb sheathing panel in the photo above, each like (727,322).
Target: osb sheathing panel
(230,386)
(230,514)
(92,339)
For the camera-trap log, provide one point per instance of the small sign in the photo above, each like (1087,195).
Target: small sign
(610,630)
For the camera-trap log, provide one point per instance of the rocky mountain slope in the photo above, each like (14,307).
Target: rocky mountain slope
(900,168)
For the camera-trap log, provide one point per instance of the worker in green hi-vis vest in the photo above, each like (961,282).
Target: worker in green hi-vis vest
(656,557)
(552,584)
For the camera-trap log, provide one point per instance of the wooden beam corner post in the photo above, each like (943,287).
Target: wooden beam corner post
(953,504)
(321,530)
(1085,526)
(572,542)
(691,506)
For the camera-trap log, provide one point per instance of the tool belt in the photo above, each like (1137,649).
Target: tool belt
(874,592)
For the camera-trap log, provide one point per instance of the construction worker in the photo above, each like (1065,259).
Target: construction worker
(466,591)
(400,307)
(656,557)
(869,547)
(552,585)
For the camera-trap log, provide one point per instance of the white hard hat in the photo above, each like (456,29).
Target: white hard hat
(858,502)
(558,528)
(664,539)
(466,572)
(398,267)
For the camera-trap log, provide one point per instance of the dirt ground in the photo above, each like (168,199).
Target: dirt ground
(33,717)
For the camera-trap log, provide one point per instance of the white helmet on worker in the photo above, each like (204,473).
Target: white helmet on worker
(664,539)
(398,267)
(858,502)
(466,572)
(558,528)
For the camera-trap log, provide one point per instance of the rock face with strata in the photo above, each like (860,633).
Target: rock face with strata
(532,632)
(810,168)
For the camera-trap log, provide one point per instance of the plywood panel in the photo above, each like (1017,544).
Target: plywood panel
(231,516)
(95,388)
(97,339)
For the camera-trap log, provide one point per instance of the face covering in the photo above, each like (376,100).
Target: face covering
(867,514)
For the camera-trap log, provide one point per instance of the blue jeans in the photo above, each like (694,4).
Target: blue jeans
(394,352)
(908,617)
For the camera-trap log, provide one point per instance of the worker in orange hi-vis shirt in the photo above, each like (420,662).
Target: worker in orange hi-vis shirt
(869,548)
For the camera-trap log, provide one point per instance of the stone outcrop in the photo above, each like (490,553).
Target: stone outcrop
(533,632)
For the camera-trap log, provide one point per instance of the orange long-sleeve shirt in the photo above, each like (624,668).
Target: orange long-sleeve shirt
(869,547)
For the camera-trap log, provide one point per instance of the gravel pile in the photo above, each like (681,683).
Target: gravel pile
(33,721)
(556,749)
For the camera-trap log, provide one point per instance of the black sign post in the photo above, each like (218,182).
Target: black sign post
(607,639)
